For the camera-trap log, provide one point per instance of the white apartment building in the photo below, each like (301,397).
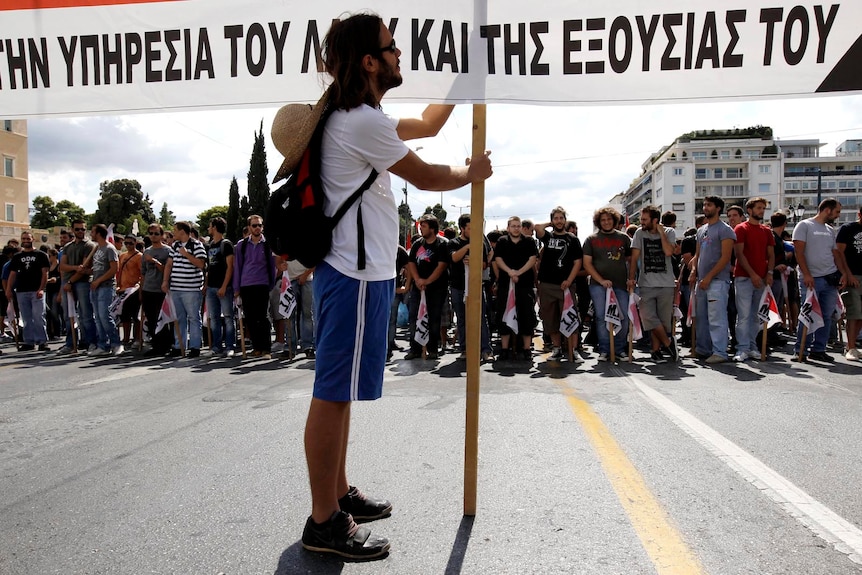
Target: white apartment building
(739,164)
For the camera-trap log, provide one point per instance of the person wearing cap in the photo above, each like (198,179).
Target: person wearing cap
(351,304)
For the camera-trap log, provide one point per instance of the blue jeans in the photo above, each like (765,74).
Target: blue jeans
(460,313)
(32,311)
(188,306)
(598,293)
(827,295)
(303,315)
(747,322)
(85,317)
(711,319)
(223,333)
(106,328)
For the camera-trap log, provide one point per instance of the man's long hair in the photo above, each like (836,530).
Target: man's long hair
(345,45)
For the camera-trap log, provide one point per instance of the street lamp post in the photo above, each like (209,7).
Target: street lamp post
(460,208)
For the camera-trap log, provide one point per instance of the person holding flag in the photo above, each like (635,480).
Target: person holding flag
(821,269)
(606,257)
(515,256)
(652,248)
(428,268)
(153,265)
(753,273)
(849,244)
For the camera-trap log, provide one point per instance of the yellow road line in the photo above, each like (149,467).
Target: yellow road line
(661,540)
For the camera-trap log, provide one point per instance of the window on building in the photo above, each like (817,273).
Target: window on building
(678,171)
(752,154)
(718,173)
(734,173)
(764,169)
(10,212)
(659,173)
(7,125)
(700,173)
(764,188)
(679,190)
(725,154)
(9,167)
(698,155)
(678,207)
(658,192)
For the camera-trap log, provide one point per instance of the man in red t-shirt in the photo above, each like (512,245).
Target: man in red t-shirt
(755,262)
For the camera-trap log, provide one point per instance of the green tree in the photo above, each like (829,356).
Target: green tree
(405,220)
(440,213)
(119,200)
(258,175)
(206,216)
(45,213)
(244,213)
(166,217)
(71,211)
(234,228)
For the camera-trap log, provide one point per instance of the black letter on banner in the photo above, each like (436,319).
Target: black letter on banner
(112,57)
(133,53)
(490,32)
(152,55)
(689,39)
(172,74)
(823,29)
(708,49)
(312,41)
(446,53)
(91,42)
(647,35)
(278,40)
(797,14)
(668,22)
(255,31)
(187,43)
(620,23)
(420,44)
(770,16)
(19,63)
(536,67)
(465,53)
(205,56)
(570,46)
(233,33)
(393,24)
(732,60)
(40,61)
(512,48)
(68,56)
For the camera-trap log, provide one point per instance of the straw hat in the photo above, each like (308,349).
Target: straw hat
(291,133)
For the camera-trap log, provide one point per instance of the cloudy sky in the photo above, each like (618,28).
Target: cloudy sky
(577,157)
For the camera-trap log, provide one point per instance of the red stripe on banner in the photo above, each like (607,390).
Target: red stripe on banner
(45,4)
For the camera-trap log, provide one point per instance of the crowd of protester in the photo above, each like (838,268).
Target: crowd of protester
(174,293)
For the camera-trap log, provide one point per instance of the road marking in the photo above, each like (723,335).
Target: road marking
(120,374)
(661,540)
(824,522)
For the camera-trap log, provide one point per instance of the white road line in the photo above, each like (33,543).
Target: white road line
(120,374)
(824,522)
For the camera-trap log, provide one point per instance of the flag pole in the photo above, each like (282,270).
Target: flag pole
(803,342)
(763,344)
(474,320)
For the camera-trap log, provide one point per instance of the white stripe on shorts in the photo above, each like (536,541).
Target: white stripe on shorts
(361,302)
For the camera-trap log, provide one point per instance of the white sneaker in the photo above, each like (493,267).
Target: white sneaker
(277,347)
(229,353)
(603,357)
(852,355)
(740,357)
(93,347)
(99,351)
(118,350)
(576,357)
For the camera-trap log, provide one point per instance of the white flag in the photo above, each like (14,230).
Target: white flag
(767,309)
(168,314)
(110,238)
(569,321)
(422,332)
(70,305)
(692,306)
(810,313)
(286,299)
(613,313)
(116,307)
(510,316)
(635,316)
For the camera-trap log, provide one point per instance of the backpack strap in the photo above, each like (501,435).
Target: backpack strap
(360,226)
(267,251)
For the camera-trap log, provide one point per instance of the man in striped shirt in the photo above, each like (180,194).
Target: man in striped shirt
(184,280)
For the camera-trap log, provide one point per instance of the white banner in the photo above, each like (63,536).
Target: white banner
(62,57)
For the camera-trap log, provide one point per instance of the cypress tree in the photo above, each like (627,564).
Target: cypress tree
(258,176)
(234,226)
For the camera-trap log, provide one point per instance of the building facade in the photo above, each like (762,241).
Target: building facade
(740,164)
(14,190)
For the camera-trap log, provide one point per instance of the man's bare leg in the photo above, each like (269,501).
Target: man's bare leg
(326,432)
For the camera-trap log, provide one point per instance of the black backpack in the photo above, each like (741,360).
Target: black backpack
(297,228)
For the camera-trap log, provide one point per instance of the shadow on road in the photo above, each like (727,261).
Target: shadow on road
(459,547)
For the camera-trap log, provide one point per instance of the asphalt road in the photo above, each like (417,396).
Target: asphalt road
(137,466)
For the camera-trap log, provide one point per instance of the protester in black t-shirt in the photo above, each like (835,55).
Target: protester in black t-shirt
(28,277)
(429,260)
(515,257)
(220,290)
(459,248)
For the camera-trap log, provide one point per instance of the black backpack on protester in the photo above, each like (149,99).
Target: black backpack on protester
(297,227)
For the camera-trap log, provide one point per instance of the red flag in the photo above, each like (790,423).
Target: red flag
(569,321)
(613,313)
(510,316)
(635,317)
(810,313)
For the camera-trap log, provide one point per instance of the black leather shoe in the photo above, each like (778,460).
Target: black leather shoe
(364,508)
(342,536)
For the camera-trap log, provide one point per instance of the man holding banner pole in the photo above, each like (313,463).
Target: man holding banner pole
(352,301)
(821,270)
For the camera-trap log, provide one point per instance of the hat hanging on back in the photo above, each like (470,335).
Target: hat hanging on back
(292,129)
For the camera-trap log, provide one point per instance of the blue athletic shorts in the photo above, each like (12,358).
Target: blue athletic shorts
(351,319)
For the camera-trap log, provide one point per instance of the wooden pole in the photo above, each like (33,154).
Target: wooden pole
(631,337)
(802,343)
(611,331)
(763,344)
(474,320)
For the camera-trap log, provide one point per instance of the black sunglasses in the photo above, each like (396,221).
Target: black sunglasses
(390,48)
(80,229)
(257,225)
(154,233)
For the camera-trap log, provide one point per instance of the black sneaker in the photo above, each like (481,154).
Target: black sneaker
(44,347)
(526,355)
(194,353)
(26,347)
(657,357)
(672,351)
(364,508)
(556,354)
(820,356)
(413,355)
(175,352)
(342,536)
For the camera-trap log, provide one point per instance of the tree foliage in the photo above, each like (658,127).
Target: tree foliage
(244,213)
(166,217)
(439,212)
(234,228)
(119,200)
(47,214)
(206,216)
(405,222)
(258,175)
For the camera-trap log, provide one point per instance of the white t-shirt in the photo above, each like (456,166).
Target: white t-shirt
(353,142)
